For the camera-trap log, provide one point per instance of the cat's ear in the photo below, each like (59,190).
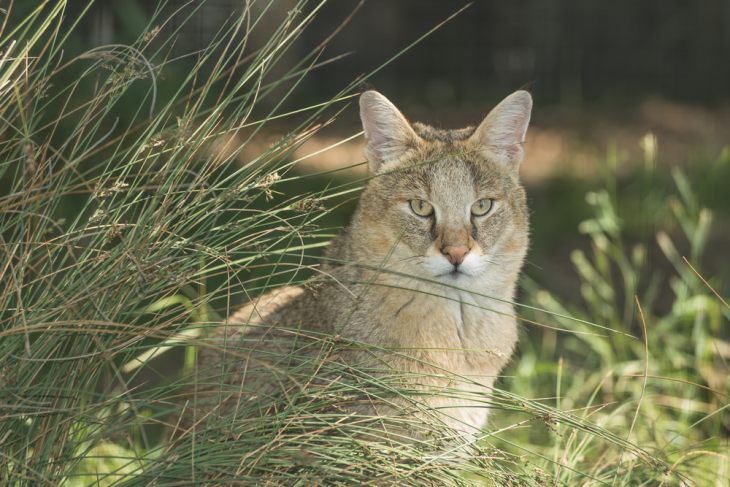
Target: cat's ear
(501,135)
(387,132)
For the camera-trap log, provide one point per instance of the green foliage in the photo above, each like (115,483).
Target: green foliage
(659,377)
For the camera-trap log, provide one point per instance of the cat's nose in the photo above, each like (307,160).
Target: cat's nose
(455,253)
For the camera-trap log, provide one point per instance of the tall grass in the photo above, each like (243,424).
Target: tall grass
(128,228)
(114,227)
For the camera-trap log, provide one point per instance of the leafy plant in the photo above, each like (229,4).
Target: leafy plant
(659,377)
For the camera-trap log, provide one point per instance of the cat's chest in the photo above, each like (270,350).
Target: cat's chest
(458,327)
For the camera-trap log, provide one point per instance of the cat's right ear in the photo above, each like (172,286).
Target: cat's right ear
(388,134)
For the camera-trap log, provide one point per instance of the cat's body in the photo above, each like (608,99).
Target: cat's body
(435,287)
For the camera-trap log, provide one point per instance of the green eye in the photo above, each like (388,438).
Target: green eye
(481,207)
(421,207)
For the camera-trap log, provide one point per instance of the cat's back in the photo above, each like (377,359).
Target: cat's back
(248,357)
(261,319)
(275,305)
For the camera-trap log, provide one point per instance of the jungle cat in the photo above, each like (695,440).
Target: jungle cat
(428,265)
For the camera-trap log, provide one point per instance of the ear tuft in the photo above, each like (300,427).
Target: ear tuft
(388,134)
(501,135)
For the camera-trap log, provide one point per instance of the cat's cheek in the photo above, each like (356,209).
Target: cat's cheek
(473,264)
(436,265)
(487,235)
(414,232)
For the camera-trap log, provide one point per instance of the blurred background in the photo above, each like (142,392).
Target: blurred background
(607,78)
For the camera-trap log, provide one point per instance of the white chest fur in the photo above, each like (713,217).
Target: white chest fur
(467,336)
(471,330)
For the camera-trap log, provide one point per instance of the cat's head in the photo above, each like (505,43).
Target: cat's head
(444,204)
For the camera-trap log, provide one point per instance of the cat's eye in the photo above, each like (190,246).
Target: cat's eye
(421,207)
(482,206)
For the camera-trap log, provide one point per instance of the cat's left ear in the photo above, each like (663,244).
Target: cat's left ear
(501,135)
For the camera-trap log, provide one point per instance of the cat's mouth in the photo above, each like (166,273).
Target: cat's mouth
(439,268)
(455,272)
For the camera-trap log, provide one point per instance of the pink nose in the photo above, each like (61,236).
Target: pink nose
(455,253)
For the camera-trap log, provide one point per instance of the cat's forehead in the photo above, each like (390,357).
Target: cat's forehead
(433,134)
(443,166)
(449,159)
(449,174)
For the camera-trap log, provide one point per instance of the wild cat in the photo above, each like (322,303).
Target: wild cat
(427,267)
